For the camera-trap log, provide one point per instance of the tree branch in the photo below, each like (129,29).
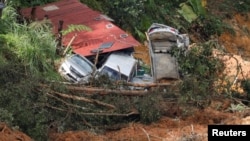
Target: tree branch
(84,99)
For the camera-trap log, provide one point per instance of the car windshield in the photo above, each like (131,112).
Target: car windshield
(113,74)
(81,62)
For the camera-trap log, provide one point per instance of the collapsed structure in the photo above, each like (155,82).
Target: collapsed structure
(103,36)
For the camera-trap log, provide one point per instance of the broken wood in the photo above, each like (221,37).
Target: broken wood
(66,103)
(110,114)
(146,85)
(96,114)
(102,91)
(69,44)
(84,99)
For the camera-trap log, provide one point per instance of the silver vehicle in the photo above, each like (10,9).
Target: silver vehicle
(119,66)
(76,68)
(162,39)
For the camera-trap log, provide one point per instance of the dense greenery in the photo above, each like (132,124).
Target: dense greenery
(28,54)
(26,60)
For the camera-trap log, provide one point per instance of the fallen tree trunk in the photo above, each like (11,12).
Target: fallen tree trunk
(110,114)
(143,85)
(148,85)
(64,102)
(96,114)
(101,91)
(84,99)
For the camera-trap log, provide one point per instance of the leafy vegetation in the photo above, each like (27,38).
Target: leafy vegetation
(27,61)
(72,28)
(200,70)
(246,87)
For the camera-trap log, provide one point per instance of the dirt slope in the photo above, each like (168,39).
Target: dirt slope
(166,129)
(9,134)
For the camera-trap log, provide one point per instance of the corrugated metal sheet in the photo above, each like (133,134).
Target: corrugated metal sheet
(74,12)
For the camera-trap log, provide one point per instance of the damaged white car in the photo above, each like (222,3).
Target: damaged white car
(76,69)
(119,66)
(123,66)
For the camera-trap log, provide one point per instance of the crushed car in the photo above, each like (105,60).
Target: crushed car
(161,40)
(76,69)
(119,66)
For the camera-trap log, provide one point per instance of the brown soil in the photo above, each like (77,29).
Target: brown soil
(9,134)
(166,129)
(192,127)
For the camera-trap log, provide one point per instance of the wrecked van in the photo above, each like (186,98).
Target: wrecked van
(161,39)
(119,66)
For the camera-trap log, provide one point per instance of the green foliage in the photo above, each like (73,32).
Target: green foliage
(148,107)
(126,14)
(28,3)
(187,12)
(135,16)
(27,55)
(192,9)
(94,4)
(198,8)
(199,62)
(72,28)
(35,52)
(242,6)
(246,87)
(212,26)
(44,25)
(11,72)
(199,70)
(8,16)
(237,108)
(6,116)
(23,107)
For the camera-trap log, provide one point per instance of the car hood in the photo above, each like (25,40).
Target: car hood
(82,70)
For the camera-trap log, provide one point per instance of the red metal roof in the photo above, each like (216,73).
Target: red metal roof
(74,12)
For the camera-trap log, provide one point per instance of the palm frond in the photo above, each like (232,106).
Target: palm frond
(45,24)
(72,28)
(9,14)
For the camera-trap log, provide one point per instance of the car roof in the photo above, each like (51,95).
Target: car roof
(124,61)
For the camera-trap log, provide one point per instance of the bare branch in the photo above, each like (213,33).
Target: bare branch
(145,133)
(101,91)
(84,99)
(66,103)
